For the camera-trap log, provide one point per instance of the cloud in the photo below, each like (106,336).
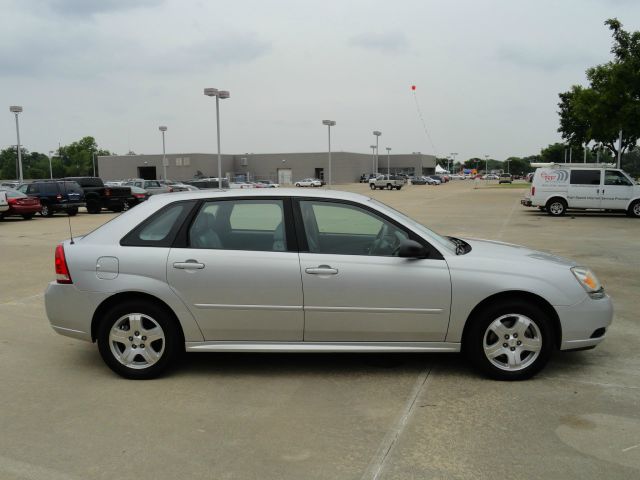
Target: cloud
(390,42)
(84,8)
(544,59)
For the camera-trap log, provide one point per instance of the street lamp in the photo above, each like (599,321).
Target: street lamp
(377,134)
(50,169)
(373,159)
(163,129)
(329,124)
(219,94)
(388,168)
(453,159)
(16,109)
(486,164)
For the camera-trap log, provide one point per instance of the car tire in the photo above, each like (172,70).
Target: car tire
(372,186)
(46,210)
(389,186)
(27,216)
(398,188)
(513,323)
(122,334)
(556,207)
(72,212)
(634,209)
(93,206)
(297,184)
(126,205)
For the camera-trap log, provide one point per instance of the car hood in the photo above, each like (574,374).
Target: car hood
(491,249)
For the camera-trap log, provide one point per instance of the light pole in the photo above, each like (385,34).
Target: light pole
(16,109)
(50,169)
(486,164)
(329,124)
(163,129)
(214,92)
(388,163)
(453,159)
(373,159)
(377,134)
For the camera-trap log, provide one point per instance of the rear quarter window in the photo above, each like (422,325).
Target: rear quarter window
(585,177)
(160,229)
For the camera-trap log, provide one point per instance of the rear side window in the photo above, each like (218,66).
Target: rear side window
(585,177)
(70,187)
(160,229)
(49,188)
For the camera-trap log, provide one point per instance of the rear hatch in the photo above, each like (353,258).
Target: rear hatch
(70,192)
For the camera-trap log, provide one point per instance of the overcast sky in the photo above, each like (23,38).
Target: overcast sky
(487,72)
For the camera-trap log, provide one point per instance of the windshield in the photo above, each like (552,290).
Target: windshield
(430,234)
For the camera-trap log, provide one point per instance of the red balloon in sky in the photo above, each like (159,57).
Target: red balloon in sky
(413,87)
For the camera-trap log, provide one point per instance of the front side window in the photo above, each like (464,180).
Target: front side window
(585,177)
(344,229)
(256,225)
(614,177)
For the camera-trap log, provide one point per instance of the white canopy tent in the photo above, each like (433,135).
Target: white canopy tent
(439,169)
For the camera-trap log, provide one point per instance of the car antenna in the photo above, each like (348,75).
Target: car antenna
(64,182)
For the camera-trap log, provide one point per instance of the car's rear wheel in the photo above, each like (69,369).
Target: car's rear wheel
(511,341)
(389,186)
(556,207)
(72,212)
(93,206)
(27,216)
(634,209)
(138,340)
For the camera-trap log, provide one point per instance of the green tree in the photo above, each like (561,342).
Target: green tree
(611,102)
(76,159)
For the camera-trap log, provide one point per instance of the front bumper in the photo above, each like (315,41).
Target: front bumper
(584,324)
(71,321)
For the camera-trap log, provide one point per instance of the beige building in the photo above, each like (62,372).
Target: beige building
(285,168)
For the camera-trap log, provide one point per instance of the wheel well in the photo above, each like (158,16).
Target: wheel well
(126,296)
(556,198)
(523,297)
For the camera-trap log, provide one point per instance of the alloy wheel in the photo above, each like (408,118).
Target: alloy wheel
(512,342)
(137,341)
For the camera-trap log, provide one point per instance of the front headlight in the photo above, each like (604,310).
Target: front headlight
(589,281)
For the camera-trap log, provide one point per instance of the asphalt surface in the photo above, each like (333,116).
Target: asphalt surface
(64,415)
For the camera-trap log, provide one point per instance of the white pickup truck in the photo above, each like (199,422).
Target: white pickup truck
(386,181)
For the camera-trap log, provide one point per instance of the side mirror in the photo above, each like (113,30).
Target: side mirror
(412,249)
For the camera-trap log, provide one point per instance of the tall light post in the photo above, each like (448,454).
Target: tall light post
(388,162)
(16,109)
(329,124)
(453,159)
(486,164)
(373,159)
(219,94)
(50,169)
(163,129)
(377,134)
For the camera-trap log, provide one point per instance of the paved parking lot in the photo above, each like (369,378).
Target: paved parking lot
(64,415)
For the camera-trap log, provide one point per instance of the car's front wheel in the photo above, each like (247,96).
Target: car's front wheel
(634,209)
(138,340)
(512,341)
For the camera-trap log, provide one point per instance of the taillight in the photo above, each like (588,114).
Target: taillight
(107,192)
(533,191)
(62,270)
(12,201)
(59,197)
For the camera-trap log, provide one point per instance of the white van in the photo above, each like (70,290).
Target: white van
(558,187)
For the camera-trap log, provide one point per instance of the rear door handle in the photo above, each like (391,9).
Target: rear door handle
(189,265)
(321,270)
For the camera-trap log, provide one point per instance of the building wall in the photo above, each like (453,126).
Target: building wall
(346,166)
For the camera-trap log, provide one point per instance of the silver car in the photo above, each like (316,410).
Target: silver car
(319,271)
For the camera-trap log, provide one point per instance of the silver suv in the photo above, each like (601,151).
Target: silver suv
(226,271)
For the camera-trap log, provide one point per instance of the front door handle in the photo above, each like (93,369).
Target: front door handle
(321,270)
(189,265)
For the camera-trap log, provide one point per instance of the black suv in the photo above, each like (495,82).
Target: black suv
(55,196)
